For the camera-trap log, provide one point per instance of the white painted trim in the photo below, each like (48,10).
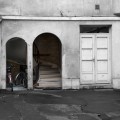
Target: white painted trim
(82,82)
(95,57)
(60,18)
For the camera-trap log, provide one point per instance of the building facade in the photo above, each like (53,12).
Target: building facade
(88,32)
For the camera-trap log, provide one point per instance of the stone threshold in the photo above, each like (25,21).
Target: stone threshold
(97,86)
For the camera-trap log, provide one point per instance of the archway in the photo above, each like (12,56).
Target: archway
(16,62)
(47,52)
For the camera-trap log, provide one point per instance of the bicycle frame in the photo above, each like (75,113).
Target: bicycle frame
(9,78)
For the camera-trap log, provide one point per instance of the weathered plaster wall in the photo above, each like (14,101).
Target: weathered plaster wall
(0,55)
(68,32)
(29,30)
(9,7)
(56,7)
(116,7)
(116,54)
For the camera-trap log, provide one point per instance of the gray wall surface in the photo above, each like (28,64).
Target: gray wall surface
(56,7)
(68,32)
(69,35)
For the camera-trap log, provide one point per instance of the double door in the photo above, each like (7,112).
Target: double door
(95,58)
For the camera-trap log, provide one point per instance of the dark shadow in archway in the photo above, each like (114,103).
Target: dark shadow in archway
(16,63)
(47,52)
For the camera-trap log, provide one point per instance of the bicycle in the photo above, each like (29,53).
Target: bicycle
(21,79)
(9,77)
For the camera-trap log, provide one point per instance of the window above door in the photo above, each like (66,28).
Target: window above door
(94,28)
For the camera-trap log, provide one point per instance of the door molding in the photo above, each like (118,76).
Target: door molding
(95,81)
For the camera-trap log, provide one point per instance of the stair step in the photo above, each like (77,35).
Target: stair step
(48,69)
(48,72)
(49,80)
(49,85)
(45,67)
(50,76)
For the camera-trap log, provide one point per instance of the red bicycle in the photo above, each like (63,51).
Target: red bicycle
(9,77)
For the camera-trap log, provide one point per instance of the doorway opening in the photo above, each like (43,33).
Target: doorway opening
(47,50)
(16,63)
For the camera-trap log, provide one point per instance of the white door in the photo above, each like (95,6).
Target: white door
(94,58)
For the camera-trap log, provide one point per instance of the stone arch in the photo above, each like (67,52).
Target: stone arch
(16,54)
(47,50)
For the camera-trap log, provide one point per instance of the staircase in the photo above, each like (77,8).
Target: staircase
(49,78)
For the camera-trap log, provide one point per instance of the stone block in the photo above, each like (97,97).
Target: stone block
(116,83)
(71,65)
(66,84)
(75,83)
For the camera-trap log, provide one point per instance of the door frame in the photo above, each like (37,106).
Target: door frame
(109,58)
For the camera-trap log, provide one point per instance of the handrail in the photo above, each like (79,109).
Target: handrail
(36,70)
(36,53)
(36,56)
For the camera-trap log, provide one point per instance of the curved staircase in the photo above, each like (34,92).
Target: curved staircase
(49,78)
(48,74)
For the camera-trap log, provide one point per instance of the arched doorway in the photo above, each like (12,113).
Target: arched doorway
(16,58)
(47,50)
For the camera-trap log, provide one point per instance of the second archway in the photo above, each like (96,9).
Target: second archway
(47,51)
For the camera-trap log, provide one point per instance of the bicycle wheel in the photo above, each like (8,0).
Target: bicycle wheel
(21,79)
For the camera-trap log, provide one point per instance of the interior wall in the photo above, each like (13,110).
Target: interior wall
(16,50)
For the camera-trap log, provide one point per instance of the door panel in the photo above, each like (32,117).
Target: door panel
(102,54)
(87,54)
(87,59)
(87,66)
(87,42)
(87,78)
(94,58)
(102,58)
(102,42)
(102,77)
(102,66)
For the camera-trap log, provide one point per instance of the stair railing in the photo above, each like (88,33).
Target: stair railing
(36,53)
(36,56)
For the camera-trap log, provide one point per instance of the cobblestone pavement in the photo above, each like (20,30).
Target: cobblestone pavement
(60,105)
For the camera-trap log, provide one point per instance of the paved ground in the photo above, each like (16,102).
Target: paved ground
(60,105)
